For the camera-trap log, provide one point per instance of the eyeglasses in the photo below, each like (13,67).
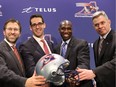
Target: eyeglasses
(35,25)
(15,29)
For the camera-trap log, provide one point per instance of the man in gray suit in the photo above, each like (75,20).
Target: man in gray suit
(76,51)
(12,73)
(105,60)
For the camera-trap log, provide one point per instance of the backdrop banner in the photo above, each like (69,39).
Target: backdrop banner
(54,11)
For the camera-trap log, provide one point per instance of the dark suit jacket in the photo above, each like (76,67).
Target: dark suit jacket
(11,74)
(31,52)
(78,55)
(106,63)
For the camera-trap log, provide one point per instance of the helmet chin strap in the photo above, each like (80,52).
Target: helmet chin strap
(69,76)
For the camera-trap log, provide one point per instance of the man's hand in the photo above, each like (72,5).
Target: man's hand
(85,74)
(36,81)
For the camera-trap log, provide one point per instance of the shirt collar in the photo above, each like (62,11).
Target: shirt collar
(9,42)
(66,41)
(38,39)
(105,35)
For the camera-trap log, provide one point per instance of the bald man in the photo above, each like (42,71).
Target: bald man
(75,50)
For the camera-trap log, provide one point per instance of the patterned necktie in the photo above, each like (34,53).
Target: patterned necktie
(100,45)
(63,49)
(17,55)
(45,47)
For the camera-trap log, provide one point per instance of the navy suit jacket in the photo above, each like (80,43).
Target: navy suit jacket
(11,74)
(31,52)
(106,61)
(78,55)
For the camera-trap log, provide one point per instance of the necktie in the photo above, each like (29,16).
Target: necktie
(63,49)
(100,45)
(17,55)
(45,47)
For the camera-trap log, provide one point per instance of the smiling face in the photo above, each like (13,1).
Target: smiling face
(37,27)
(65,30)
(12,32)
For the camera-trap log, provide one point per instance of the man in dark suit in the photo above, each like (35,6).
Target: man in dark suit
(105,60)
(11,66)
(76,51)
(33,49)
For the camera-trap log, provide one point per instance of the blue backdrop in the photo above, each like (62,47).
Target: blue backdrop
(54,11)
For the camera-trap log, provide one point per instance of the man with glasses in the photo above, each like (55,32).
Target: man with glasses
(12,73)
(75,50)
(36,46)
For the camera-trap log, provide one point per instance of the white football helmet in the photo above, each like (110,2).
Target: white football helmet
(52,66)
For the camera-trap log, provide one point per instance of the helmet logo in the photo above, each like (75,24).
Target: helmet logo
(46,59)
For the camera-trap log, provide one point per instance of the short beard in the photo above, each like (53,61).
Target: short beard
(13,42)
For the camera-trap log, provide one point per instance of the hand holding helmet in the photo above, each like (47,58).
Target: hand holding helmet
(52,66)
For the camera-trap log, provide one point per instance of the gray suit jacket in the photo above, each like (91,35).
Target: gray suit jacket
(106,62)
(78,55)
(11,74)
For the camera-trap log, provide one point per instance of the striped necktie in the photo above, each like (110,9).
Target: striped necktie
(100,45)
(17,56)
(63,49)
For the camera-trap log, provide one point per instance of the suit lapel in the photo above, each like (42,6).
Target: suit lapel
(106,44)
(16,61)
(14,57)
(37,46)
(99,56)
(69,48)
(50,45)
(67,52)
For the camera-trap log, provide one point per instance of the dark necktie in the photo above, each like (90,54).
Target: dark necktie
(100,45)
(63,49)
(17,55)
(45,47)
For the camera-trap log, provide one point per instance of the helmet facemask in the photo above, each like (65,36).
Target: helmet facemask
(54,69)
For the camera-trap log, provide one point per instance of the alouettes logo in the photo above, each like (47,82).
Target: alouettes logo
(87,9)
(46,59)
